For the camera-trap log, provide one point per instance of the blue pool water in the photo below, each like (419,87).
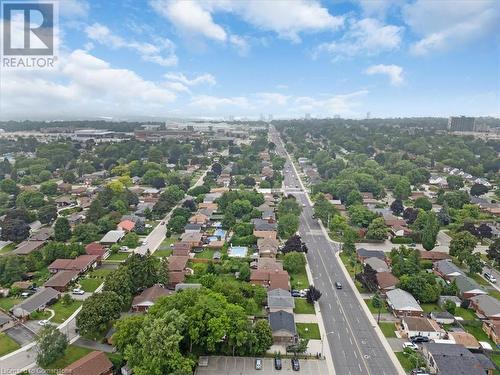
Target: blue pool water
(238,251)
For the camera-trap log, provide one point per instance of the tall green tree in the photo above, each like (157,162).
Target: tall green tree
(51,345)
(62,230)
(98,311)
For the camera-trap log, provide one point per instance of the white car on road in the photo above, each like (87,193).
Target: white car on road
(78,291)
(43,322)
(410,345)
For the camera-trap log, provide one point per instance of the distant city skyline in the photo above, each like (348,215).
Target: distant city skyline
(158,59)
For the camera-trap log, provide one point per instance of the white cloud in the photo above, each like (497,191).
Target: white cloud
(444,25)
(272,98)
(190,17)
(343,104)
(240,43)
(162,52)
(206,78)
(377,8)
(83,86)
(367,36)
(207,103)
(394,72)
(286,18)
(74,8)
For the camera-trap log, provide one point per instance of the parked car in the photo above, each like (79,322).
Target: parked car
(43,322)
(419,339)
(338,285)
(277,363)
(78,291)
(490,277)
(295,293)
(303,204)
(410,345)
(258,364)
(295,364)
(419,371)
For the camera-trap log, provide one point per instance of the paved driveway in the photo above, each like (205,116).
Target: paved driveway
(20,334)
(246,366)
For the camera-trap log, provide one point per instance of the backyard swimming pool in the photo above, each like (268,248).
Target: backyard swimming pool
(237,251)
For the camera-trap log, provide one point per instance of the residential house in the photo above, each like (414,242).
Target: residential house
(467,287)
(492,329)
(418,326)
(443,317)
(386,281)
(279,280)
(112,237)
(452,359)
(64,187)
(61,280)
(433,255)
(148,297)
(151,192)
(280,299)
(447,270)
(94,363)
(269,216)
(142,207)
(192,228)
(442,300)
(269,264)
(261,225)
(272,234)
(402,303)
(95,248)
(182,248)
(63,201)
(75,218)
(466,339)
(283,327)
(486,306)
(27,247)
(43,234)
(81,264)
(199,219)
(126,225)
(84,202)
(193,238)
(363,254)
(378,265)
(38,301)
(177,269)
(268,247)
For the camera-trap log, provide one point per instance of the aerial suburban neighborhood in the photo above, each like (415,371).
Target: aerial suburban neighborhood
(268,242)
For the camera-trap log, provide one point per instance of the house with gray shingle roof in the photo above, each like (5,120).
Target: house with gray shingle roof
(447,270)
(402,303)
(37,301)
(486,305)
(280,299)
(467,287)
(283,327)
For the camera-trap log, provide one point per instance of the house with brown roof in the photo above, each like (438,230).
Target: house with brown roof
(433,255)
(63,201)
(94,363)
(271,234)
(182,248)
(466,339)
(194,238)
(27,247)
(417,326)
(95,248)
(269,264)
(176,269)
(148,297)
(61,280)
(268,247)
(199,218)
(492,329)
(386,281)
(126,225)
(81,264)
(279,280)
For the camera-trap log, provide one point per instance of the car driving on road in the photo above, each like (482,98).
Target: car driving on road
(490,277)
(338,285)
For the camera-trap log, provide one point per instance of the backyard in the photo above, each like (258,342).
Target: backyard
(6,303)
(117,257)
(90,284)
(63,312)
(299,279)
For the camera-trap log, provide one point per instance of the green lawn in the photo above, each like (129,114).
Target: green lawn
(7,345)
(6,303)
(63,312)
(205,254)
(168,241)
(466,314)
(90,284)
(375,310)
(347,263)
(312,331)
(303,307)
(477,332)
(117,257)
(494,293)
(430,307)
(408,361)
(478,279)
(299,280)
(100,273)
(40,315)
(388,329)
(8,248)
(73,353)
(162,253)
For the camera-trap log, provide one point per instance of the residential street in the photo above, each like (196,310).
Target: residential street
(354,345)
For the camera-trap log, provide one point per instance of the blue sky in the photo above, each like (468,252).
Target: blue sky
(167,58)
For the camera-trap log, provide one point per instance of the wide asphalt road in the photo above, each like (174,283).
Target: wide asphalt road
(354,345)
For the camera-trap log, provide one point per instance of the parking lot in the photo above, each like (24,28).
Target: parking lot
(246,366)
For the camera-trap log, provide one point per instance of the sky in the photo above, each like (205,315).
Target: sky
(156,59)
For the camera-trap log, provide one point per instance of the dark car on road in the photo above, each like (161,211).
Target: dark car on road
(419,339)
(277,363)
(295,364)
(295,293)
(338,285)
